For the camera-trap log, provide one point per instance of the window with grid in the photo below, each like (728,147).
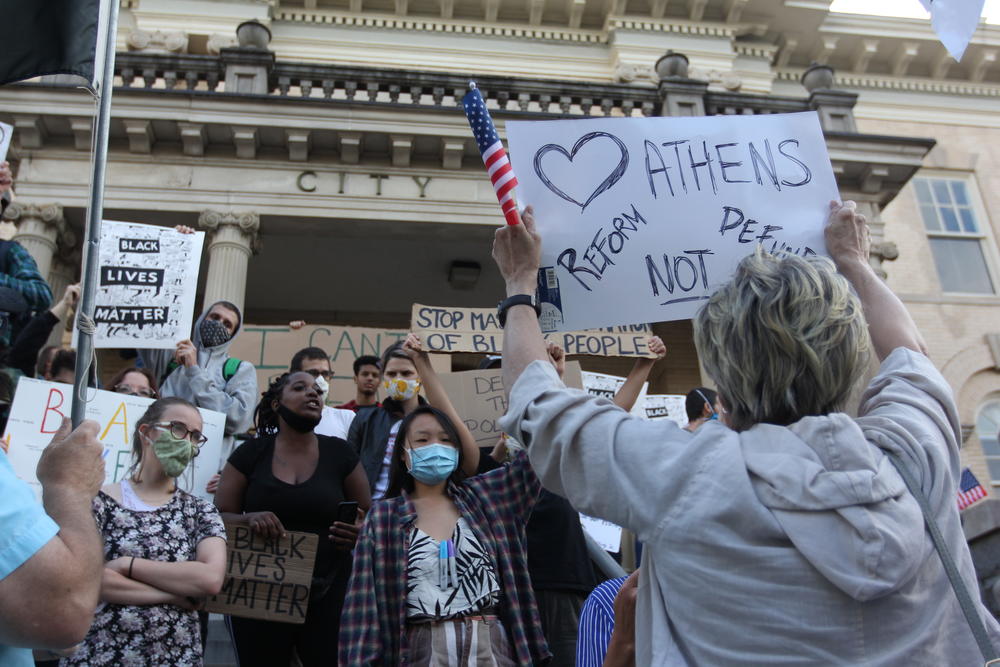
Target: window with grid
(955,234)
(988,430)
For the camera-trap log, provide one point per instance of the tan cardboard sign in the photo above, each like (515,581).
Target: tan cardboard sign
(479,399)
(445,329)
(266,579)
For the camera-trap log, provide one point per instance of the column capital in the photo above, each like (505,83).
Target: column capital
(51,214)
(248,223)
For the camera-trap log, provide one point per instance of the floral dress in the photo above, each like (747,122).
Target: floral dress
(159,635)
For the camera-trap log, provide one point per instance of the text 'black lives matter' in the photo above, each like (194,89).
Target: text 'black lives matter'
(140,315)
(143,246)
(131,276)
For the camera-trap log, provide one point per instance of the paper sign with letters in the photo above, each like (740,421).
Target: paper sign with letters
(446,329)
(266,579)
(665,406)
(607,535)
(606,386)
(643,218)
(6,134)
(146,285)
(38,410)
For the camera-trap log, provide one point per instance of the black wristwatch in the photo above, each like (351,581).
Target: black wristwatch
(516,300)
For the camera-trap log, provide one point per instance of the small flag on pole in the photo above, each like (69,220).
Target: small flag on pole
(969,490)
(494,156)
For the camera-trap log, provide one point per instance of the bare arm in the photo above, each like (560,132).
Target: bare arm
(889,323)
(357,489)
(194,578)
(629,392)
(229,501)
(621,648)
(119,589)
(49,601)
(517,251)
(438,398)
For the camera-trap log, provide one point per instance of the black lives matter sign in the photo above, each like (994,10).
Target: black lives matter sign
(266,579)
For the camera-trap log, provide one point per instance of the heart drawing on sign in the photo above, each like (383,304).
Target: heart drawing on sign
(604,185)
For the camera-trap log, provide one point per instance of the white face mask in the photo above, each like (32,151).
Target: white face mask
(400,389)
(324,388)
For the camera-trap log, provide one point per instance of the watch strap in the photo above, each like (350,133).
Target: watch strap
(516,300)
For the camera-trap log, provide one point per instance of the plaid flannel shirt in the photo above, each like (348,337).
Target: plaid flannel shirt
(497,506)
(22,275)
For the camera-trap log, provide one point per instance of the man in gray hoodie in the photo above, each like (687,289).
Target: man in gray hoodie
(200,370)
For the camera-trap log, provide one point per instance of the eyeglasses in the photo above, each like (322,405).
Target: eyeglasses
(315,372)
(132,391)
(180,430)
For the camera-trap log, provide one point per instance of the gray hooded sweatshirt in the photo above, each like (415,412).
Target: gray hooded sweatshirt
(795,545)
(204,385)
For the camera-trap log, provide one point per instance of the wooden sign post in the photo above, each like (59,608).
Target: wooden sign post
(266,579)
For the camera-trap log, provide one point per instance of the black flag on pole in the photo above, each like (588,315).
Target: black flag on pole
(49,37)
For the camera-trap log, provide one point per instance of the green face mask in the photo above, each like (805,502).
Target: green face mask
(174,453)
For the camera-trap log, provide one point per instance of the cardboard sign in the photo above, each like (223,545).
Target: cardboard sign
(270,350)
(39,407)
(146,287)
(444,329)
(6,134)
(266,579)
(643,218)
(479,399)
(665,406)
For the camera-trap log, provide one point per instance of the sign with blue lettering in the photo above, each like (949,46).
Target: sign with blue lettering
(643,218)
(146,285)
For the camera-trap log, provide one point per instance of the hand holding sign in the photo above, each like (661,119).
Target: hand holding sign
(517,250)
(847,237)
(73,460)
(6,177)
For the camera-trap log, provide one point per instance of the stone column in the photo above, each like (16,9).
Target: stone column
(232,240)
(40,228)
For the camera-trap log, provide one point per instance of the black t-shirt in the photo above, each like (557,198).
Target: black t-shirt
(557,551)
(309,507)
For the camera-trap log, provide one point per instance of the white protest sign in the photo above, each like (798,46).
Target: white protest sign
(954,22)
(606,386)
(38,410)
(665,406)
(147,281)
(6,134)
(643,218)
(607,535)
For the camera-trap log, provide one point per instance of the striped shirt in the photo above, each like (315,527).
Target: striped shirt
(597,622)
(22,274)
(496,506)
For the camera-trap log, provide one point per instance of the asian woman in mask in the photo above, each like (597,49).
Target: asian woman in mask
(445,552)
(165,549)
(289,478)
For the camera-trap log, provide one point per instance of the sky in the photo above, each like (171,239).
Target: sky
(907,8)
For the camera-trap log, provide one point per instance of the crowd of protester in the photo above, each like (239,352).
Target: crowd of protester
(774,528)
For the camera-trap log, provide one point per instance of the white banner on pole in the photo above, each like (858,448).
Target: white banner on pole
(643,218)
(6,134)
(38,410)
(146,288)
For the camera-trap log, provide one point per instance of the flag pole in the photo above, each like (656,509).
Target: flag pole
(95,212)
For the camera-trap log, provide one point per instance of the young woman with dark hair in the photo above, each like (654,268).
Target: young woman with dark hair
(165,549)
(440,567)
(290,478)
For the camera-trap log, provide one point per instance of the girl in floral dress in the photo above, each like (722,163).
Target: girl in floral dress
(165,550)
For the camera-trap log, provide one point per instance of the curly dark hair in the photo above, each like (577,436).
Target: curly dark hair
(265,419)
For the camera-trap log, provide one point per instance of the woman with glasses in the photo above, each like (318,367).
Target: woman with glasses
(291,478)
(165,549)
(134,381)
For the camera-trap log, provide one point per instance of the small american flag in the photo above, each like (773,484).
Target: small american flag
(970,490)
(494,156)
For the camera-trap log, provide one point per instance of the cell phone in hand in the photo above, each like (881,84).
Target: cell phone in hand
(347,512)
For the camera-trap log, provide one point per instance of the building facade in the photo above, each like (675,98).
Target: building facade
(323,149)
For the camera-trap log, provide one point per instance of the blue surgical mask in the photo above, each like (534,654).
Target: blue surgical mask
(714,417)
(434,463)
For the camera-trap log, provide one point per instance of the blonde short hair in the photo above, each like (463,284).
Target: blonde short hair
(785,338)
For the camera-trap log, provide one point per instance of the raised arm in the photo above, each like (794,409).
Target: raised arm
(629,392)
(848,241)
(437,397)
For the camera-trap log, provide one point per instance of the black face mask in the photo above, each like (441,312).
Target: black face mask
(297,422)
(213,333)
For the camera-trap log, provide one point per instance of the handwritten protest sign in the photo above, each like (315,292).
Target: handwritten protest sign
(270,349)
(266,579)
(146,285)
(643,218)
(38,410)
(444,329)
(665,406)
(6,134)
(478,397)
